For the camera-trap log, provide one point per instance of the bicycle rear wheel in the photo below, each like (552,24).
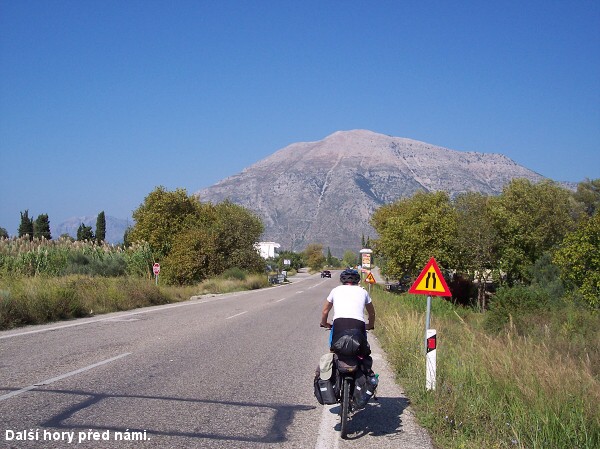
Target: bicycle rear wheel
(345,406)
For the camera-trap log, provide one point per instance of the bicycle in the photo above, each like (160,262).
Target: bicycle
(351,395)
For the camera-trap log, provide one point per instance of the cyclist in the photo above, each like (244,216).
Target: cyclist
(349,302)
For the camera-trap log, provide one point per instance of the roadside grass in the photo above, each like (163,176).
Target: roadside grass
(41,299)
(494,390)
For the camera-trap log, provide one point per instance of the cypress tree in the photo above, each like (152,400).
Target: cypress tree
(41,227)
(101,227)
(84,233)
(329,257)
(26,225)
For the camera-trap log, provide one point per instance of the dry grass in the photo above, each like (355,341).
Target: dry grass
(493,391)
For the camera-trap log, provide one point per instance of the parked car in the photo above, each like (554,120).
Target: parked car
(325,274)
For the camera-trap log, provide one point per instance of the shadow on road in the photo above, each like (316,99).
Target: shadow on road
(378,418)
(277,417)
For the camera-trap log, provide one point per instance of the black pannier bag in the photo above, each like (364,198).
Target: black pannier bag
(325,380)
(363,390)
(352,342)
(325,391)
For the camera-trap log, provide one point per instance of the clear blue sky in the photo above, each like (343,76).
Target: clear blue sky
(102,101)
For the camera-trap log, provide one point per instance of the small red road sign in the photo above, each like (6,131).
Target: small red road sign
(156,268)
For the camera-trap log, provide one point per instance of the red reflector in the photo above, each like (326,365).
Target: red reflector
(431,342)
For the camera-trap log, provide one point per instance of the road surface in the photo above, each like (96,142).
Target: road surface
(225,371)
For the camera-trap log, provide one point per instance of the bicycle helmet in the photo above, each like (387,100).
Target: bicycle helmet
(350,277)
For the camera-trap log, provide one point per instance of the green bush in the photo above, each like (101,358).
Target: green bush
(514,305)
(234,273)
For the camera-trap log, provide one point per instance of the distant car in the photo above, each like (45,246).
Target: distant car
(325,274)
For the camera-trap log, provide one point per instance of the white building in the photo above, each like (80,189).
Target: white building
(267,249)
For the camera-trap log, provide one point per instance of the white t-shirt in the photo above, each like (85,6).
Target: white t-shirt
(349,301)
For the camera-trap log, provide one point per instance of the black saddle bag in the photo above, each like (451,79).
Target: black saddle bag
(352,342)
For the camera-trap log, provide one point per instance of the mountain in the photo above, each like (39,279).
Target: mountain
(326,191)
(115,227)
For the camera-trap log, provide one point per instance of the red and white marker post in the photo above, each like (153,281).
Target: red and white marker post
(156,270)
(430,359)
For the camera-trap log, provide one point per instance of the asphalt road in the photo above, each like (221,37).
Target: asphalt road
(226,371)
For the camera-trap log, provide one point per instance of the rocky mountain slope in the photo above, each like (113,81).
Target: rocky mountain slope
(325,191)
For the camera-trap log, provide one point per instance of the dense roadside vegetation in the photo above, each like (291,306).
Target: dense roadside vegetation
(202,248)
(519,342)
(533,382)
(530,234)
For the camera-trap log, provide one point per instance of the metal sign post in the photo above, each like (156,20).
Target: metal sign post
(427,315)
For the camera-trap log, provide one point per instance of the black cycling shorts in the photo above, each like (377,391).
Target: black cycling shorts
(342,324)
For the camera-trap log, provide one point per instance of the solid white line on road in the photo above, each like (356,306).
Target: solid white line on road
(328,438)
(237,314)
(62,376)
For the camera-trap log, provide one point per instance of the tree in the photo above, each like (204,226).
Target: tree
(588,194)
(26,225)
(236,232)
(3,233)
(126,237)
(579,260)
(191,258)
(195,240)
(41,227)
(296,260)
(84,233)
(350,259)
(329,258)
(313,254)
(162,216)
(476,249)
(101,227)
(530,219)
(413,230)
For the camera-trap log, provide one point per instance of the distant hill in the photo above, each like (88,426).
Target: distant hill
(115,227)
(326,191)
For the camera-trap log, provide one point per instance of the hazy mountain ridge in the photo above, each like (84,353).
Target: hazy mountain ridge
(326,191)
(115,227)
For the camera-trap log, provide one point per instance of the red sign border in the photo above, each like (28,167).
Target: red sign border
(413,288)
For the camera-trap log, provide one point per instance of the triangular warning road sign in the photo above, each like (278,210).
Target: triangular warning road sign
(370,278)
(430,281)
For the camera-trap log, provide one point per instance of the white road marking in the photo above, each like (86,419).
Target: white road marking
(282,299)
(62,376)
(327,437)
(237,314)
